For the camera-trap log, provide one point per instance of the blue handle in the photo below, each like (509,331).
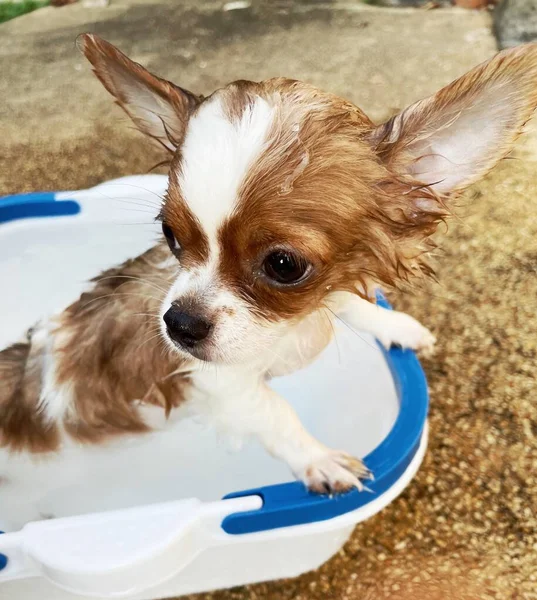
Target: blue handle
(3,559)
(35,204)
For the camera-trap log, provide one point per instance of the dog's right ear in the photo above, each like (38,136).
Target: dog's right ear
(158,108)
(452,139)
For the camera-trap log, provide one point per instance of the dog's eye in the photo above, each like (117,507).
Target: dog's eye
(170,237)
(285,267)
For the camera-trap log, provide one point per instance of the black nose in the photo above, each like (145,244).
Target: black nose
(185,329)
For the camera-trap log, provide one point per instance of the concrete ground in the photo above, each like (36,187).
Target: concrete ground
(466,528)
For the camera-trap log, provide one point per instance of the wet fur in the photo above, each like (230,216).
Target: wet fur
(106,351)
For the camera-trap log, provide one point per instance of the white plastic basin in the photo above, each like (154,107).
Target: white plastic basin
(144,517)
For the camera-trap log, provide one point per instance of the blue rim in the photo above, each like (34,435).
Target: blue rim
(35,204)
(289,504)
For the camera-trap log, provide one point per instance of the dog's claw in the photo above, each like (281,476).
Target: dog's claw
(336,472)
(403,331)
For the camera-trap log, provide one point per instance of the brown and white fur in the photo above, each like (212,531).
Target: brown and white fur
(256,170)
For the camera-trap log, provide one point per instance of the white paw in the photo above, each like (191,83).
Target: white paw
(335,472)
(403,330)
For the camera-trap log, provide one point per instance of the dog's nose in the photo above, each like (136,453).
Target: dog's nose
(184,328)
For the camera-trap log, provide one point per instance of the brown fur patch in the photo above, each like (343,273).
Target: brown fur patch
(114,354)
(237,96)
(185,226)
(22,425)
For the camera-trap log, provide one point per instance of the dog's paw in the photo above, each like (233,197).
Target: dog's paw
(335,472)
(404,331)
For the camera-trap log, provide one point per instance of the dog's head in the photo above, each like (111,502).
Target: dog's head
(281,195)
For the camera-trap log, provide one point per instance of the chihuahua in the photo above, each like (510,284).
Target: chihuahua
(286,209)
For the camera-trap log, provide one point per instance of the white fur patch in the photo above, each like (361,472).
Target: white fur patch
(217,154)
(55,399)
(216,157)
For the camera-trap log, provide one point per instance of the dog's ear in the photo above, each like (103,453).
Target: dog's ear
(158,108)
(453,138)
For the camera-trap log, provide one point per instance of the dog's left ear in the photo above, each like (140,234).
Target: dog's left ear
(453,138)
(158,108)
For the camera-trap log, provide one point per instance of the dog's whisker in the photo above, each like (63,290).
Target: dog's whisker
(138,223)
(139,187)
(274,353)
(128,204)
(158,334)
(334,334)
(352,329)
(139,210)
(137,202)
(143,314)
(121,294)
(134,278)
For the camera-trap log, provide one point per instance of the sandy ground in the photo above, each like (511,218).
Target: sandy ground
(466,529)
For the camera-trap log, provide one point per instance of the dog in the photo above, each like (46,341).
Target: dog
(286,209)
